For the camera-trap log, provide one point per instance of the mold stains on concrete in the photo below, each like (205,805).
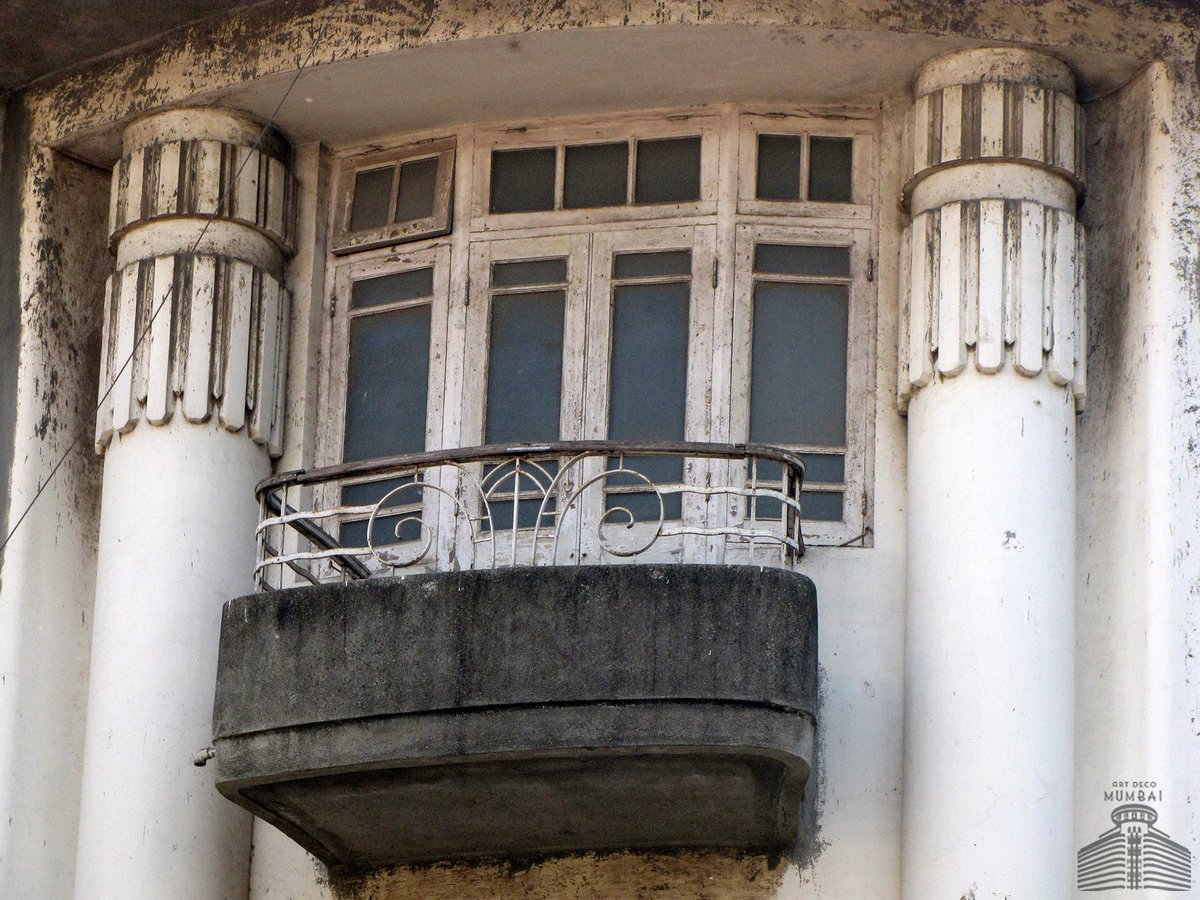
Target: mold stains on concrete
(63,265)
(13,138)
(273,38)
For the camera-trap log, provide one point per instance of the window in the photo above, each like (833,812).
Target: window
(394,196)
(698,277)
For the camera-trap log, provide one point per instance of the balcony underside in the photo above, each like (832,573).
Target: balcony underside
(522,712)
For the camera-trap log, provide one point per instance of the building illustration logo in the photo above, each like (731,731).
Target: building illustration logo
(1134,854)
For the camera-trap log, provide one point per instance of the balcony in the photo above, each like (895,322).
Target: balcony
(589,646)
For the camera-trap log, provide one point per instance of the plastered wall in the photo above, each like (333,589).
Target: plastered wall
(1138,637)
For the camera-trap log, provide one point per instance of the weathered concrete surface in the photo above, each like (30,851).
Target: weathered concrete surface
(1138,638)
(522,712)
(1104,39)
(703,876)
(51,291)
(42,37)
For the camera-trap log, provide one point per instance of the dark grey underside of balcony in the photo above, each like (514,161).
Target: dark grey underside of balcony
(522,712)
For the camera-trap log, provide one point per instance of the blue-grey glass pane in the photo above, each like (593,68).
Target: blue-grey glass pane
(644,506)
(779,158)
(814,506)
(800,259)
(648,265)
(387,530)
(502,513)
(383,533)
(668,171)
(798,364)
(388,383)
(394,288)
(527,272)
(764,508)
(765,470)
(827,469)
(525,367)
(830,169)
(818,467)
(659,469)
(501,480)
(596,175)
(523,180)
(418,185)
(821,507)
(372,192)
(649,361)
(624,489)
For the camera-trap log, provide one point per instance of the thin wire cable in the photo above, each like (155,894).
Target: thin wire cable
(317,39)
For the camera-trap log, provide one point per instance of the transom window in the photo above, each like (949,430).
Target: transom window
(702,277)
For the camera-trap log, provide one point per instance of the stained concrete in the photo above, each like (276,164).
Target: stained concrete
(43,37)
(13,136)
(523,712)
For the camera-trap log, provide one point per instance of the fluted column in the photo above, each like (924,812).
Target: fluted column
(991,373)
(191,409)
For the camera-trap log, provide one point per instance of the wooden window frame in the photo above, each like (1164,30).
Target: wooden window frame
(860,394)
(705,126)
(861,131)
(717,402)
(335,367)
(438,223)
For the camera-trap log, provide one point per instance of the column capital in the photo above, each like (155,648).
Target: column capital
(994,256)
(201,226)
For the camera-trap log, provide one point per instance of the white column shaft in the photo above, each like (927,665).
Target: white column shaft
(176,542)
(989,658)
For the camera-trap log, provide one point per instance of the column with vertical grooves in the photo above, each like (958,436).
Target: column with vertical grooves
(191,410)
(992,371)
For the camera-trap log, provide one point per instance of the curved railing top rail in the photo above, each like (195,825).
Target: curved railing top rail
(470,507)
(500,452)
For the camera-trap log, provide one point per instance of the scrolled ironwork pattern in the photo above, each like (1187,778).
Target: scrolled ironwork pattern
(560,503)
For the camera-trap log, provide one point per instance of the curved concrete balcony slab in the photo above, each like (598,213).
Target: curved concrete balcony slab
(522,712)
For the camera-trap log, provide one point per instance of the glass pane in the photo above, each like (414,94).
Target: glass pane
(668,171)
(526,272)
(632,493)
(392,288)
(388,383)
(354,534)
(798,359)
(827,469)
(764,508)
(817,467)
(814,506)
(501,480)
(523,180)
(596,175)
(649,361)
(793,259)
(779,157)
(821,507)
(830,167)
(647,265)
(525,369)
(418,184)
(372,191)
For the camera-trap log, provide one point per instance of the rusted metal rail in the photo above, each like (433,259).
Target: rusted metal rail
(554,503)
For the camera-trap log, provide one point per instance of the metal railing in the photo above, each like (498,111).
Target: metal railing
(558,503)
